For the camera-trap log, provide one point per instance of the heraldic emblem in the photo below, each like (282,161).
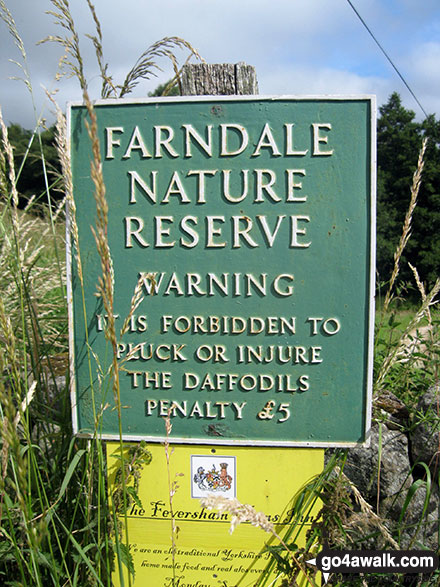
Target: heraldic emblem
(213,480)
(213,475)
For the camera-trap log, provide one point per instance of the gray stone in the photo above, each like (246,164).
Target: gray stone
(417,529)
(411,524)
(55,388)
(362,466)
(425,436)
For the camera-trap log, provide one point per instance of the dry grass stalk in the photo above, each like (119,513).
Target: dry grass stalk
(25,403)
(24,276)
(11,173)
(173,486)
(240,512)
(427,300)
(245,513)
(63,19)
(406,232)
(144,68)
(136,300)
(397,351)
(146,64)
(108,89)
(367,516)
(8,19)
(105,288)
(9,344)
(422,291)
(17,259)
(63,150)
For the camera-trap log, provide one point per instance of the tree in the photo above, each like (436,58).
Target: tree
(161,88)
(29,167)
(399,138)
(426,248)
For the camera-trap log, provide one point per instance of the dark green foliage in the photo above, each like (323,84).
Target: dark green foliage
(130,464)
(29,163)
(399,139)
(161,90)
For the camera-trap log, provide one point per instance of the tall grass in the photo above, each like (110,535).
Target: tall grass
(56,524)
(55,521)
(53,491)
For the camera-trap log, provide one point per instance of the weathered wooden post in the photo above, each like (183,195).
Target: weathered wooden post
(226,79)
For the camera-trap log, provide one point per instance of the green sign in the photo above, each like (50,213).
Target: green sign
(248,225)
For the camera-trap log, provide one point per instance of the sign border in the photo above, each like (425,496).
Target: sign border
(372,271)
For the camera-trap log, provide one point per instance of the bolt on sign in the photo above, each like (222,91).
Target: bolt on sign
(206,553)
(247,225)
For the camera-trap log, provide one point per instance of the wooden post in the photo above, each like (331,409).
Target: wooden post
(224,79)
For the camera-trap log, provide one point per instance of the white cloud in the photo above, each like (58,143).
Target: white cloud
(301,80)
(420,68)
(300,46)
(423,65)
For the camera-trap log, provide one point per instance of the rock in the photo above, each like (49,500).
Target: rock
(362,465)
(425,436)
(55,388)
(417,529)
(412,525)
(393,409)
(392,405)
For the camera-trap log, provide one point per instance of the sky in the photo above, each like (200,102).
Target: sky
(310,47)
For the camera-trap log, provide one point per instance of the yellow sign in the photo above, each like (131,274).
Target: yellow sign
(205,553)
